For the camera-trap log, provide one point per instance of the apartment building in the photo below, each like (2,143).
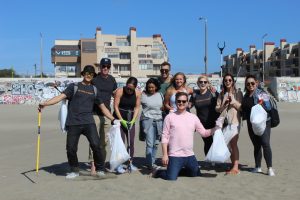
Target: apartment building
(130,55)
(278,61)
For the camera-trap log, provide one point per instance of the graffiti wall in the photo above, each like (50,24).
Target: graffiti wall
(288,89)
(33,91)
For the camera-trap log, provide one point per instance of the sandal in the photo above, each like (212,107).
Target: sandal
(233,172)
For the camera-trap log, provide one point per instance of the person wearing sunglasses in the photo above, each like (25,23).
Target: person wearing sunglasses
(254,96)
(178,84)
(151,119)
(205,101)
(229,105)
(106,85)
(165,77)
(127,103)
(177,141)
(80,120)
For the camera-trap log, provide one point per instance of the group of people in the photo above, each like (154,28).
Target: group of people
(165,118)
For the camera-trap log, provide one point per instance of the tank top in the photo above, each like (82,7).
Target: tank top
(127,104)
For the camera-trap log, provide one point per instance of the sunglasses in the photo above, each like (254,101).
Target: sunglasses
(164,71)
(202,82)
(89,74)
(105,66)
(228,80)
(129,89)
(250,83)
(181,101)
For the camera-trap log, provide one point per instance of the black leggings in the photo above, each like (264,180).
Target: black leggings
(261,142)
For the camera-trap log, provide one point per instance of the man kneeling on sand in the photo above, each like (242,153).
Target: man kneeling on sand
(177,141)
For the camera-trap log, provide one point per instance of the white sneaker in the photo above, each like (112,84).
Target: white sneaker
(271,172)
(100,173)
(256,170)
(133,168)
(120,169)
(72,175)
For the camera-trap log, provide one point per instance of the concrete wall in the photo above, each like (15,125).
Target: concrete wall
(286,89)
(33,91)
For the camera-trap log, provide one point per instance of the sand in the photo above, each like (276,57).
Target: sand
(18,180)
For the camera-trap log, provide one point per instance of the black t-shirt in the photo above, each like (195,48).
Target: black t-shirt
(105,86)
(205,105)
(247,104)
(80,108)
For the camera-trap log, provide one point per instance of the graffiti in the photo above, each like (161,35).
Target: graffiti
(34,91)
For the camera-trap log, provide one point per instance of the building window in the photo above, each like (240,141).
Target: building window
(122,42)
(125,56)
(88,47)
(107,44)
(145,65)
(113,55)
(121,68)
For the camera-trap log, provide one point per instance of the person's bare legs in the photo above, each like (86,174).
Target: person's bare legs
(234,155)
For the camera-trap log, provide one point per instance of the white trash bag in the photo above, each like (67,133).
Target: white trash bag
(62,115)
(218,151)
(229,132)
(119,153)
(258,118)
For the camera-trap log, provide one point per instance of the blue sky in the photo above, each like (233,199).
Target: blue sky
(238,23)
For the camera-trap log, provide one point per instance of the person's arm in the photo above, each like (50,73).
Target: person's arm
(165,140)
(53,101)
(236,103)
(167,99)
(137,105)
(106,112)
(222,105)
(165,157)
(117,99)
(190,92)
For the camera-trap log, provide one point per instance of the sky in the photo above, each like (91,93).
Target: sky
(238,23)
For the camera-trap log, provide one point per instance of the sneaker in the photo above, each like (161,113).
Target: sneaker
(120,169)
(72,175)
(133,168)
(256,170)
(100,173)
(271,172)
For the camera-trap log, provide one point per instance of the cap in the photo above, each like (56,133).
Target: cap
(105,61)
(88,68)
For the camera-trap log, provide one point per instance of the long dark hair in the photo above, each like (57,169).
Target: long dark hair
(224,89)
(132,80)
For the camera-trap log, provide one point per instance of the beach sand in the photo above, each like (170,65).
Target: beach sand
(18,180)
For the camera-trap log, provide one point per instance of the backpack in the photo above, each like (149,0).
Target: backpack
(275,120)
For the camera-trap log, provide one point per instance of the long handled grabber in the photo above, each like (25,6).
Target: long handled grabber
(38,142)
(128,147)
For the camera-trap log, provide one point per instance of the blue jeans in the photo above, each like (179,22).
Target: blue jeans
(153,130)
(176,164)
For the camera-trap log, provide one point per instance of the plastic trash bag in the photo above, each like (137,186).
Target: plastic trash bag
(258,118)
(229,132)
(62,116)
(119,153)
(218,151)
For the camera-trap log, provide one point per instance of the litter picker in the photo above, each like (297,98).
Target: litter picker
(38,142)
(128,146)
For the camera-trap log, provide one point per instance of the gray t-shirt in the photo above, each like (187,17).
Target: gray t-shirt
(152,105)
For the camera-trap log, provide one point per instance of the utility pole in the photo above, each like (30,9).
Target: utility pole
(205,37)
(34,70)
(263,57)
(41,55)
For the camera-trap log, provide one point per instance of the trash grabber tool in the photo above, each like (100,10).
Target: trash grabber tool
(128,146)
(38,142)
